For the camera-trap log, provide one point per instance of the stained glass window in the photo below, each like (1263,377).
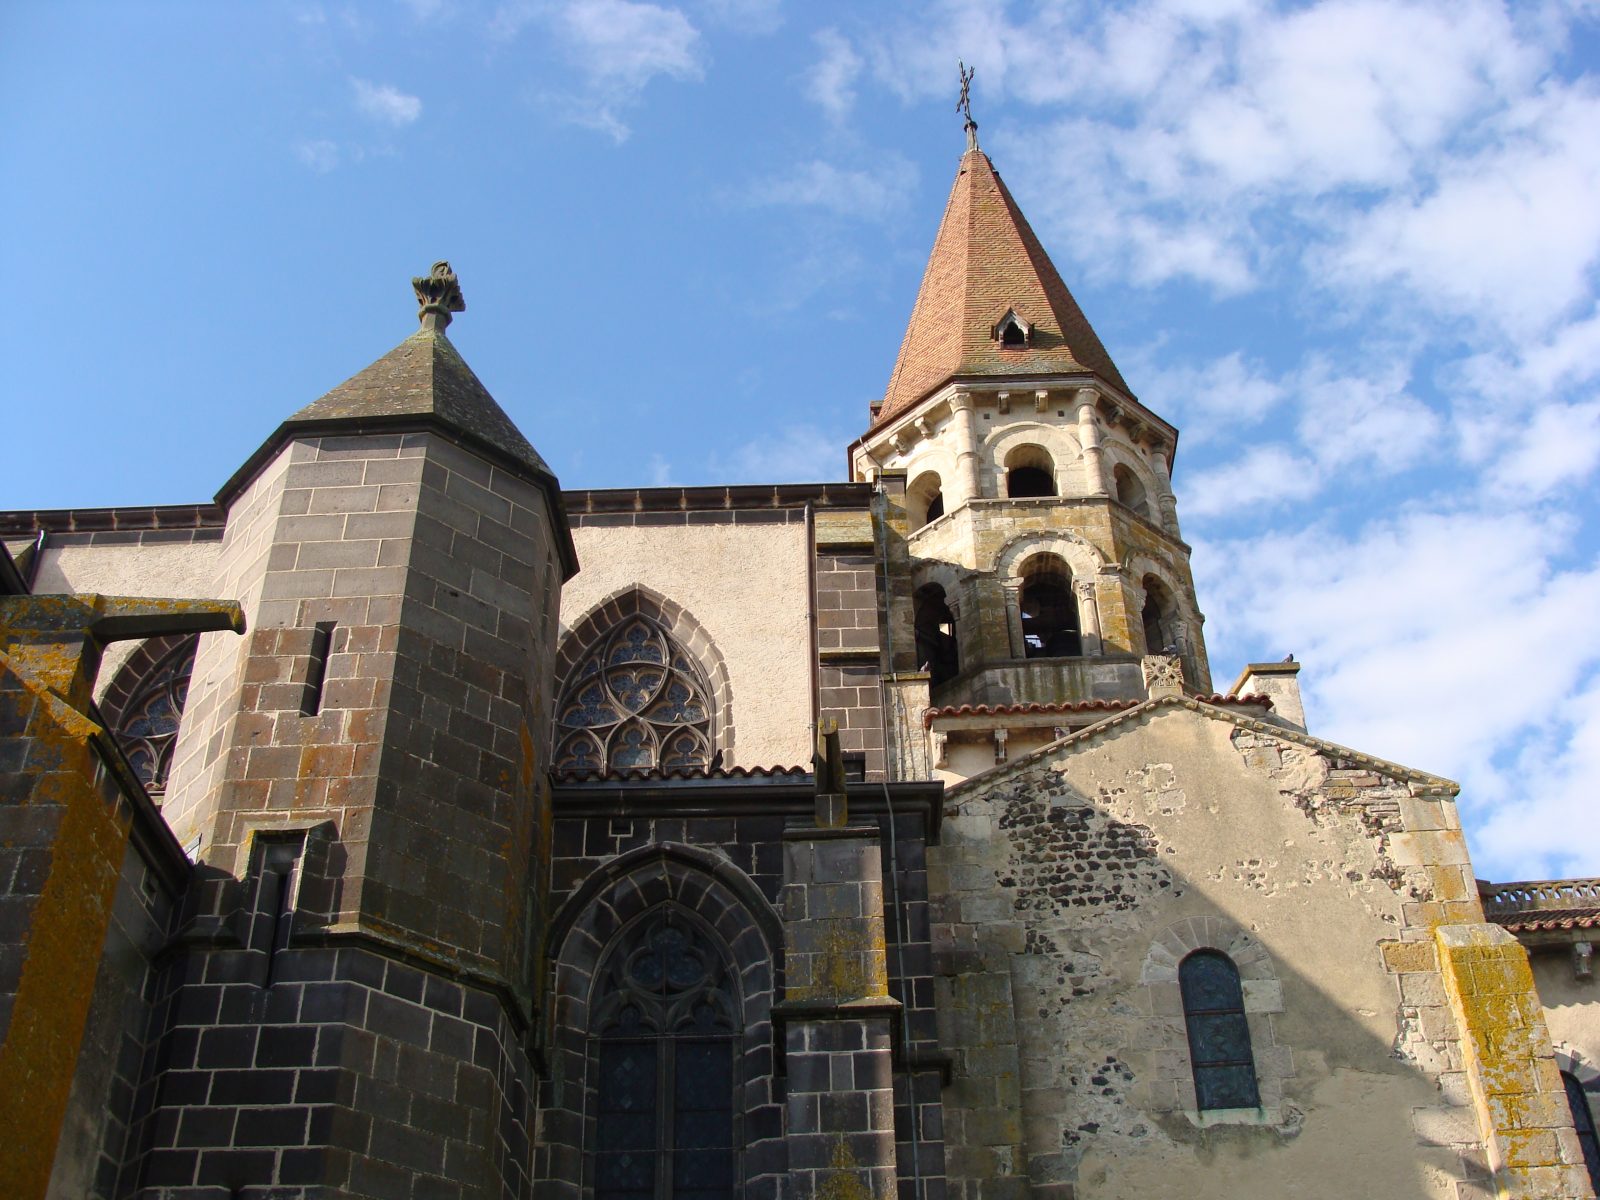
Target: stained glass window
(664,1021)
(636,701)
(148,728)
(1219,1035)
(1583,1122)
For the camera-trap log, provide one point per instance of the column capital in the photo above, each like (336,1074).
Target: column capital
(962,401)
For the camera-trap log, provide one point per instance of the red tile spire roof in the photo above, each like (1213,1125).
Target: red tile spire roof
(986,260)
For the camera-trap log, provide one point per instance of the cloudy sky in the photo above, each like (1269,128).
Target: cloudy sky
(1349,247)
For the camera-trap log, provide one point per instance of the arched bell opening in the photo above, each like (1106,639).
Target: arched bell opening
(1030,472)
(1049,609)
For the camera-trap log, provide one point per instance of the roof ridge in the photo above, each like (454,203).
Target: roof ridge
(1429,783)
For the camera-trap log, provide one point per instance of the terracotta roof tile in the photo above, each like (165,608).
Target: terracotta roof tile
(1547,922)
(986,259)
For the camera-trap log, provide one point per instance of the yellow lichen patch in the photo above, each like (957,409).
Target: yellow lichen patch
(66,927)
(844,1179)
(1491,992)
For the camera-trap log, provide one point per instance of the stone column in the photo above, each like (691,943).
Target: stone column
(967,485)
(1089,617)
(1094,467)
(1167,502)
(837,1014)
(1013,594)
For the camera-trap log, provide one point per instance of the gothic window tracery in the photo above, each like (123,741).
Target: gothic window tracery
(663,1051)
(637,701)
(147,727)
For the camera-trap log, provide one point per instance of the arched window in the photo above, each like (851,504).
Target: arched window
(145,708)
(1130,491)
(1160,617)
(925,500)
(662,1046)
(1219,1035)
(1030,472)
(635,701)
(1049,609)
(1583,1122)
(937,650)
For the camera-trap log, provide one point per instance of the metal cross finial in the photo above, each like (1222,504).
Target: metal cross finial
(964,105)
(438,295)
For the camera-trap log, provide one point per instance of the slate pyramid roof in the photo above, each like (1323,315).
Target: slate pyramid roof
(986,260)
(426,377)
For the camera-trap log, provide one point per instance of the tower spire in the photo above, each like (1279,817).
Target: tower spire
(991,301)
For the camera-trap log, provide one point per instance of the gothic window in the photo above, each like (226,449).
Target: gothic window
(937,652)
(1030,472)
(1049,609)
(663,1050)
(637,701)
(147,726)
(1583,1122)
(1219,1036)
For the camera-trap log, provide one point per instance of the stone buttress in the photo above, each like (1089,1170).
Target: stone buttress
(361,782)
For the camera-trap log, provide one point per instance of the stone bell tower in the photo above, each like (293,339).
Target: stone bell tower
(1032,533)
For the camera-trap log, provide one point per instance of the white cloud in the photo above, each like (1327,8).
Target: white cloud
(626,44)
(1218,397)
(617,46)
(743,16)
(1370,422)
(385,103)
(1557,447)
(831,84)
(870,193)
(319,155)
(1264,478)
(1406,629)
(794,454)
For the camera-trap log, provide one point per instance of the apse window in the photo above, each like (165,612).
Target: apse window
(664,1065)
(1219,1035)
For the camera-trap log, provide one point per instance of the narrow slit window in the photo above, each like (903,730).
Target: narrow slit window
(1219,1035)
(275,901)
(317,669)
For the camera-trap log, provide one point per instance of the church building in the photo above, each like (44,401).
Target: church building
(400,825)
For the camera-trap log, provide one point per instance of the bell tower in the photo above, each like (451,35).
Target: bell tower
(1033,541)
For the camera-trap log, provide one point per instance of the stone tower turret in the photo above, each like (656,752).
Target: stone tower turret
(362,780)
(1035,544)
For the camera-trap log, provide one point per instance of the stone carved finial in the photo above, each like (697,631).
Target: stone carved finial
(438,295)
(1163,675)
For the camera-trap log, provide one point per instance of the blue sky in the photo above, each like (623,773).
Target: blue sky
(1350,247)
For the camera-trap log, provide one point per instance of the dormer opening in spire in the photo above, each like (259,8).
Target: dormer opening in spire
(1012,332)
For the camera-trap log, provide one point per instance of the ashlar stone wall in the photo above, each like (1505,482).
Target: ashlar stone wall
(1070,886)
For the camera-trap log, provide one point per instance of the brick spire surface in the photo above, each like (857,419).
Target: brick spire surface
(986,260)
